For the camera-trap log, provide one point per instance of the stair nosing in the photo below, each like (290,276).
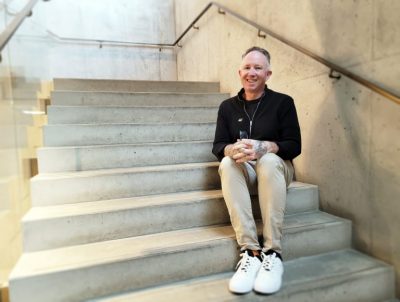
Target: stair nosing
(131,124)
(134,107)
(157,93)
(125,144)
(131,170)
(120,204)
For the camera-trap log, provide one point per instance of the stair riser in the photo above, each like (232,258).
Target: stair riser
(364,287)
(120,185)
(122,156)
(38,235)
(94,115)
(71,98)
(171,266)
(126,85)
(73,230)
(107,134)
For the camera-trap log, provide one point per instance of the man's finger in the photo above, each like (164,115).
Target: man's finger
(238,155)
(239,145)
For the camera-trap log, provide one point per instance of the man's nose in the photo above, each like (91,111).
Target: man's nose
(252,71)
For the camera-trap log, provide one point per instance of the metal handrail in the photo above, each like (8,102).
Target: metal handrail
(103,42)
(9,31)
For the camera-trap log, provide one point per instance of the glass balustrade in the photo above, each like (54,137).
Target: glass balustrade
(22,113)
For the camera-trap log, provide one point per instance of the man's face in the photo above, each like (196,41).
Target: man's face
(254,72)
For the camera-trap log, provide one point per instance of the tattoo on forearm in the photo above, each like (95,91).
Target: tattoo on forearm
(260,148)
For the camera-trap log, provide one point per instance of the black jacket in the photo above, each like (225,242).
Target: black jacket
(275,120)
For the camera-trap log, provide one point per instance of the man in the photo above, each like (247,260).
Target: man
(256,138)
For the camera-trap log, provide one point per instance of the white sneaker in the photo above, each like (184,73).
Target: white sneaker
(269,277)
(246,271)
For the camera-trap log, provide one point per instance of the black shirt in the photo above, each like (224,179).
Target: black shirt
(275,120)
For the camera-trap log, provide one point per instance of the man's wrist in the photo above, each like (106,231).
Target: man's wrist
(260,148)
(272,147)
(266,147)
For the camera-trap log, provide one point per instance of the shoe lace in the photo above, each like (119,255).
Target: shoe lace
(244,263)
(268,261)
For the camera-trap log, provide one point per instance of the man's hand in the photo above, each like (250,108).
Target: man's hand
(249,149)
(235,150)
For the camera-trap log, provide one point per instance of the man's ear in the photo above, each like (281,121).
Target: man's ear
(269,73)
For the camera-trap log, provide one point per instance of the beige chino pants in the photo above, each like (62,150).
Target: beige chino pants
(269,177)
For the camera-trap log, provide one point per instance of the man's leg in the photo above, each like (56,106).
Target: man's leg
(235,179)
(274,176)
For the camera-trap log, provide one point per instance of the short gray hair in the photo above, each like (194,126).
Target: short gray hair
(259,49)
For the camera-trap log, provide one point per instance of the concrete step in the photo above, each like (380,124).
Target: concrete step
(129,85)
(97,114)
(74,187)
(87,271)
(340,276)
(81,158)
(57,226)
(107,134)
(126,99)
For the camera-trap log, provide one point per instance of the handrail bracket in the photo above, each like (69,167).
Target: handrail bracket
(261,35)
(332,74)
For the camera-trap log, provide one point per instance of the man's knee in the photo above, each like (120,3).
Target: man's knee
(226,164)
(269,163)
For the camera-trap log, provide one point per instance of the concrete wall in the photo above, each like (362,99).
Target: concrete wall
(350,134)
(137,21)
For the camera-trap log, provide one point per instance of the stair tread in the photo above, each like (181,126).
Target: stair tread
(133,85)
(129,124)
(103,206)
(123,145)
(91,254)
(301,274)
(128,81)
(129,107)
(100,172)
(139,93)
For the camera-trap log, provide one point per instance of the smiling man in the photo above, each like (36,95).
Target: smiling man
(256,138)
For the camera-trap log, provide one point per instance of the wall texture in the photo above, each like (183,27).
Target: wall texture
(351,145)
(136,21)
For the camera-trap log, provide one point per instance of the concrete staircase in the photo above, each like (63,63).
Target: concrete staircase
(127,207)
